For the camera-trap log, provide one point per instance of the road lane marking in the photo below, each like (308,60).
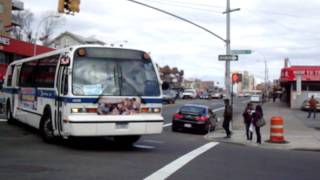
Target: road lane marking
(153,141)
(168,124)
(141,146)
(3,120)
(218,109)
(174,166)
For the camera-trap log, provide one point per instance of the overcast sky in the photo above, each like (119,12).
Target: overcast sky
(272,29)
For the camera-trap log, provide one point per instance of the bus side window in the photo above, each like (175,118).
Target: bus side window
(64,83)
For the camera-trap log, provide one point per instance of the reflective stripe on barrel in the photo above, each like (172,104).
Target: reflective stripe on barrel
(276,129)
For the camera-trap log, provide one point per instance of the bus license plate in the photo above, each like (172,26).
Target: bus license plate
(122,125)
(187,125)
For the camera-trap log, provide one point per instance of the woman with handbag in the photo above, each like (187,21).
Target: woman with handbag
(247,118)
(257,116)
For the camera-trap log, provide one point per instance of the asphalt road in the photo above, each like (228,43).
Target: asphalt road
(23,155)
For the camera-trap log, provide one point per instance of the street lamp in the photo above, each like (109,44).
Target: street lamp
(266,79)
(36,35)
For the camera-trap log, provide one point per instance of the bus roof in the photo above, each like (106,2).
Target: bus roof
(64,50)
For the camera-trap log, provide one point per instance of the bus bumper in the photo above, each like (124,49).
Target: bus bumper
(88,125)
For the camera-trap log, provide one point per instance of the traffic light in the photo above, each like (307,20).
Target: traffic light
(71,6)
(236,77)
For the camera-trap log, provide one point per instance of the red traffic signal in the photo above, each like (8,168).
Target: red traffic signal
(236,77)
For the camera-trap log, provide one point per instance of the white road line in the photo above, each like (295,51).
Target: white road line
(166,125)
(3,120)
(218,109)
(141,146)
(153,141)
(174,166)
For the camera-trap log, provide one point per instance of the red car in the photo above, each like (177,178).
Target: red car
(195,117)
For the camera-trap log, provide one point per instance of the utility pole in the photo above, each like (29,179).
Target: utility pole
(228,48)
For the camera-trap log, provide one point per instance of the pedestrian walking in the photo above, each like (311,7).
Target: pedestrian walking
(227,115)
(258,114)
(312,107)
(247,117)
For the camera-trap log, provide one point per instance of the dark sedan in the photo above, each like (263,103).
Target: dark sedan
(199,118)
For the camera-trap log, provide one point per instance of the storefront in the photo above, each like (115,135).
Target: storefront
(12,49)
(300,83)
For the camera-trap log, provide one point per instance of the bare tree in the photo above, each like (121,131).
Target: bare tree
(24,30)
(52,22)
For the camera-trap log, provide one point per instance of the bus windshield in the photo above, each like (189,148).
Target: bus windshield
(108,76)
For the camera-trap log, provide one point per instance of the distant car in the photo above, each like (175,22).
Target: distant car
(216,95)
(199,118)
(204,95)
(246,94)
(256,98)
(169,96)
(306,106)
(189,93)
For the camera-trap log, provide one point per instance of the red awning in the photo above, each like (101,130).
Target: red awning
(20,47)
(309,73)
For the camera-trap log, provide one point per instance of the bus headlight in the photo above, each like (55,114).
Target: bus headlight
(150,110)
(84,110)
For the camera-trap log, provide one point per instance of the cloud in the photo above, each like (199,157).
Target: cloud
(273,29)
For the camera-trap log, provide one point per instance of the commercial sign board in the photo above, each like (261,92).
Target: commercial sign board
(242,51)
(308,73)
(230,57)
(4,41)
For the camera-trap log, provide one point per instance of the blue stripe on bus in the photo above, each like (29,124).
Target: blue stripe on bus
(52,95)
(11,90)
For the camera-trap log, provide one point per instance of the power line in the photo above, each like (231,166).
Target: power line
(185,6)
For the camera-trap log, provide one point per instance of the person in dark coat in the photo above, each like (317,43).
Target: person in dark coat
(227,117)
(247,117)
(255,117)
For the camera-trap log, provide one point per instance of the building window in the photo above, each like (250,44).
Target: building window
(1,8)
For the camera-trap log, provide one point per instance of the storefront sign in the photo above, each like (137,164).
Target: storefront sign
(5,41)
(308,73)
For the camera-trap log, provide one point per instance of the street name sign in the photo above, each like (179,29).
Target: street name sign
(230,57)
(243,51)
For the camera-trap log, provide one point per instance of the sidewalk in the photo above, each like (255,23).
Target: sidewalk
(299,132)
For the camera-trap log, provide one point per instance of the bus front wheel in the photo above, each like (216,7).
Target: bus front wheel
(46,128)
(10,119)
(126,140)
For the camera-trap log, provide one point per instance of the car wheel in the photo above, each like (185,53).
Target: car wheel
(174,129)
(126,140)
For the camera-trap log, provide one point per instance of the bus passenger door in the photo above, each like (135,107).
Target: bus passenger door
(62,91)
(15,95)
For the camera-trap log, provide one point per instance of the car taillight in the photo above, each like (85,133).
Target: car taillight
(178,116)
(202,118)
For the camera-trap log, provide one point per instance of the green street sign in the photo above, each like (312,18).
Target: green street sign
(245,51)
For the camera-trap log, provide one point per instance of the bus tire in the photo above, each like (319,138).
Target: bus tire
(46,128)
(10,119)
(126,140)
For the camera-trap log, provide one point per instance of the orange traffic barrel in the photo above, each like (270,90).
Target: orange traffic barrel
(276,130)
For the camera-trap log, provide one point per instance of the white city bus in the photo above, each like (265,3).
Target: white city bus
(86,91)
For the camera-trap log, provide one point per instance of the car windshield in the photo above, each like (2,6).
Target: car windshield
(193,110)
(94,76)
